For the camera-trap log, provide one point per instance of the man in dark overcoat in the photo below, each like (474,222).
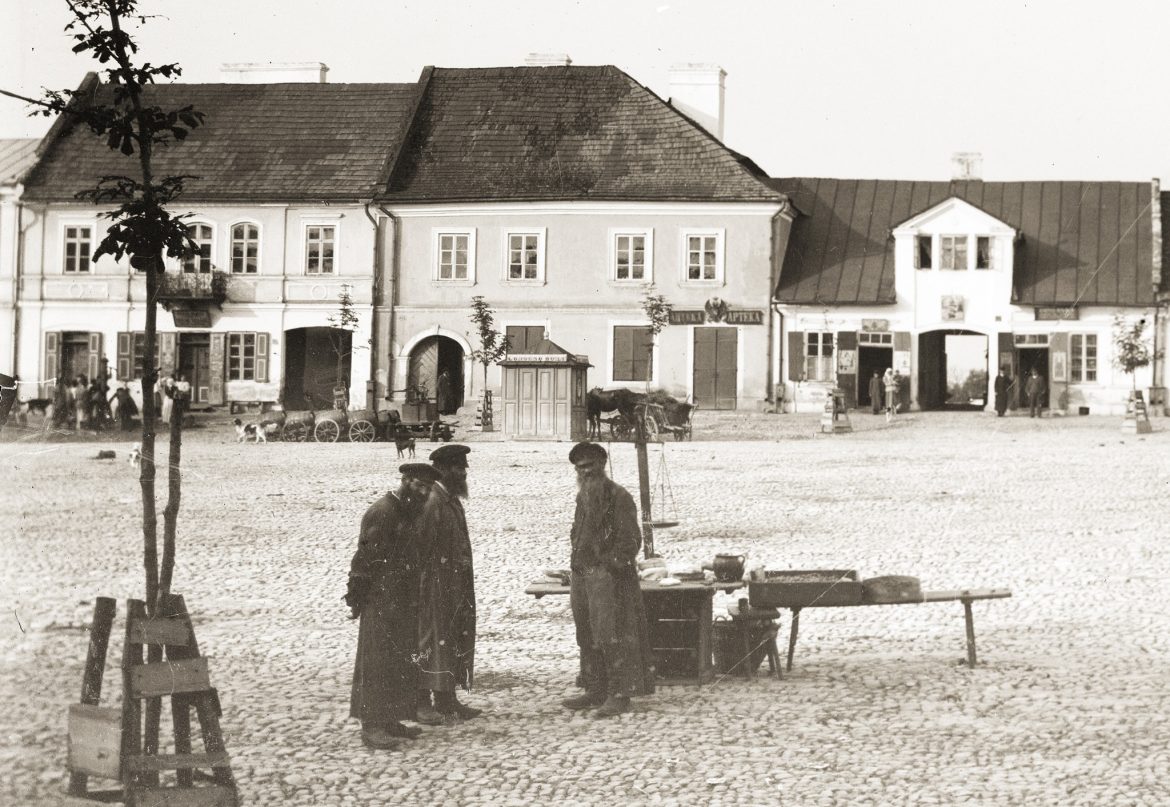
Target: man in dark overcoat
(605,595)
(1034,389)
(877,392)
(1002,387)
(383,590)
(446,640)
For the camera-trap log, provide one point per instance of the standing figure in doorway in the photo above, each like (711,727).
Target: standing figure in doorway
(446,638)
(443,393)
(383,590)
(605,594)
(890,384)
(1034,389)
(1003,386)
(877,392)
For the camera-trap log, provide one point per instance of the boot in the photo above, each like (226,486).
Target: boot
(588,700)
(447,704)
(427,716)
(614,705)
(378,737)
(397,729)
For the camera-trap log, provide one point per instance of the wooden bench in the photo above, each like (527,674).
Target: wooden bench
(965,596)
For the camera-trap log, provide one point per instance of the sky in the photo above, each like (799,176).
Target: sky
(1055,89)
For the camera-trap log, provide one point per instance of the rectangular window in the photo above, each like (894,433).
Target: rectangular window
(241,356)
(870,338)
(923,252)
(983,252)
(818,356)
(1031,340)
(453,252)
(632,359)
(1084,358)
(245,249)
(703,258)
(138,354)
(953,251)
(200,260)
(629,257)
(319,243)
(524,257)
(523,338)
(77,248)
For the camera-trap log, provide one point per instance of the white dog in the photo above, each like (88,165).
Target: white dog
(249,431)
(135,456)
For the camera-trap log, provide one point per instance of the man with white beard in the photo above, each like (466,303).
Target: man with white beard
(605,595)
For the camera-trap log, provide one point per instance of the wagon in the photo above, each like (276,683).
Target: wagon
(366,426)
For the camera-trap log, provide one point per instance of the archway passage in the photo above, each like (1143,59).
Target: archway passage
(952,370)
(315,361)
(436,372)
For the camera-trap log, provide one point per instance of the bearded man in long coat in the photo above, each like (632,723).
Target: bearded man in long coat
(446,637)
(605,595)
(383,591)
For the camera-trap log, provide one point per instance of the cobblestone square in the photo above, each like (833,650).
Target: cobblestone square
(1069,704)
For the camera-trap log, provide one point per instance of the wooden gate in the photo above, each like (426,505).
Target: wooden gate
(716,368)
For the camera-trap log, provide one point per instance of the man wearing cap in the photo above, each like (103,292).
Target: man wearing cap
(383,591)
(605,595)
(446,639)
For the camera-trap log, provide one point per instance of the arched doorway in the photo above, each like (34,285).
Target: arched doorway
(433,360)
(952,370)
(315,359)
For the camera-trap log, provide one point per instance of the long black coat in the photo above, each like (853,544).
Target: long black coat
(385,676)
(446,640)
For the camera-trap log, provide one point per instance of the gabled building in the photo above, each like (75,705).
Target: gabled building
(284,174)
(881,274)
(559,194)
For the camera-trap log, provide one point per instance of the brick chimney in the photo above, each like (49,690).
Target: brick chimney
(696,90)
(547,60)
(273,72)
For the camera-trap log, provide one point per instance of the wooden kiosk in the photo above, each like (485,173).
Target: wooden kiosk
(544,393)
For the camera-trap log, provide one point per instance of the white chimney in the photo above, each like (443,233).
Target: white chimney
(273,72)
(547,60)
(696,90)
(966,165)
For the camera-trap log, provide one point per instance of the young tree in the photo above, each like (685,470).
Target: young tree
(343,323)
(492,345)
(142,227)
(657,312)
(1131,350)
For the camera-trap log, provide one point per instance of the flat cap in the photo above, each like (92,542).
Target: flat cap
(587,452)
(419,470)
(451,454)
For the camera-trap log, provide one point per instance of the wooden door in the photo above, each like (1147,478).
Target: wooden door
(527,394)
(716,367)
(424,366)
(545,410)
(215,369)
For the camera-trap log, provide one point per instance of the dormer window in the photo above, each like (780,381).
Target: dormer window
(923,254)
(953,252)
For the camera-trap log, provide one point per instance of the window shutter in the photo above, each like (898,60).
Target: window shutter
(623,351)
(640,353)
(901,340)
(52,360)
(795,355)
(94,361)
(261,357)
(215,369)
(847,366)
(166,353)
(125,364)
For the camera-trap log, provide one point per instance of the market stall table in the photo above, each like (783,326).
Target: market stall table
(680,618)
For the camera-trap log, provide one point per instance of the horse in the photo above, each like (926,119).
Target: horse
(597,400)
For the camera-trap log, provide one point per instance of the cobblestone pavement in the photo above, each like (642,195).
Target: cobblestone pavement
(1069,705)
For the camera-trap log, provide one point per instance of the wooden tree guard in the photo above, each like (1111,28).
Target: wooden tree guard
(1137,417)
(184,678)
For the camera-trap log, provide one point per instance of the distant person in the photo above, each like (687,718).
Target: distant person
(126,408)
(78,395)
(94,398)
(443,393)
(890,384)
(877,392)
(1034,388)
(1003,385)
(166,389)
(60,403)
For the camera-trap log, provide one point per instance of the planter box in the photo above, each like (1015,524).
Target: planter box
(805,588)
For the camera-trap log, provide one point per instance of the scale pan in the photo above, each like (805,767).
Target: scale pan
(663,524)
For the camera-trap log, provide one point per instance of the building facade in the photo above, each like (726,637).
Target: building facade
(17,156)
(1023,276)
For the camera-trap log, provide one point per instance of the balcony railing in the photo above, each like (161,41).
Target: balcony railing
(190,289)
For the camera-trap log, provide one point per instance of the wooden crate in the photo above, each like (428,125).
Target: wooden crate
(95,740)
(805,588)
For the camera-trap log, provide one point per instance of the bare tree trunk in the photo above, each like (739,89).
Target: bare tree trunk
(174,495)
(146,473)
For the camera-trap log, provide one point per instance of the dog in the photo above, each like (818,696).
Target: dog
(135,456)
(403,442)
(249,431)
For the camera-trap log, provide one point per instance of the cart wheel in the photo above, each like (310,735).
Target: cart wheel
(294,432)
(361,431)
(650,427)
(326,431)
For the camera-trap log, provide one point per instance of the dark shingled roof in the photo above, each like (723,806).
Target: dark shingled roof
(259,143)
(840,251)
(552,133)
(16,157)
